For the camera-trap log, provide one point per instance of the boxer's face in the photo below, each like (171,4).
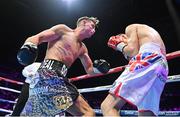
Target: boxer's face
(88,28)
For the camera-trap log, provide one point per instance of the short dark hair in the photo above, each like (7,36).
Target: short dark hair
(93,19)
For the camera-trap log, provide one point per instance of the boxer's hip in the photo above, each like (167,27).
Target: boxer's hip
(50,67)
(50,94)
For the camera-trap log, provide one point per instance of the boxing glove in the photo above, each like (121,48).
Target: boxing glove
(27,53)
(117,43)
(101,66)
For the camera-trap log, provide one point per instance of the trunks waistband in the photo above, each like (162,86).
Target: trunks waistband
(55,66)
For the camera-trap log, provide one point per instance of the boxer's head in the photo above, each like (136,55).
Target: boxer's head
(93,19)
(88,25)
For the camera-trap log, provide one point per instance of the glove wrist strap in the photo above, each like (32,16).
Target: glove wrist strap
(31,44)
(121,46)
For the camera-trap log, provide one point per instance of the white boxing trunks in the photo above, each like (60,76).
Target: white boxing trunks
(143,80)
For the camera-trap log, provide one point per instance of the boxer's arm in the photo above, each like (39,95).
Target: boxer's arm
(133,40)
(86,61)
(47,35)
(29,51)
(98,66)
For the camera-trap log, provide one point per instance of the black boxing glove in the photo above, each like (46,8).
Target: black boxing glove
(27,53)
(101,66)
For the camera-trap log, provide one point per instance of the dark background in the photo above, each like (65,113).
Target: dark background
(23,18)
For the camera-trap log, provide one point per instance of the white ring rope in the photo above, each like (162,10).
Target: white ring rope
(95,89)
(3,100)
(4,110)
(8,89)
(174,78)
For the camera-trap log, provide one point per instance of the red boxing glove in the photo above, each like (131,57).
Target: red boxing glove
(115,41)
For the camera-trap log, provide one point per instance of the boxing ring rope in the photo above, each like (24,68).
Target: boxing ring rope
(8,89)
(11,81)
(118,69)
(3,100)
(174,78)
(4,110)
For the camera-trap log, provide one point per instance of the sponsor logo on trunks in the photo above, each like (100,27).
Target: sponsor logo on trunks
(47,64)
(64,71)
(62,102)
(142,60)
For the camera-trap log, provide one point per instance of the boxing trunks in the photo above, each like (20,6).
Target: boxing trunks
(52,93)
(143,80)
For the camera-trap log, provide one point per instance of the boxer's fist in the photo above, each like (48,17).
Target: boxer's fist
(101,65)
(116,42)
(27,53)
